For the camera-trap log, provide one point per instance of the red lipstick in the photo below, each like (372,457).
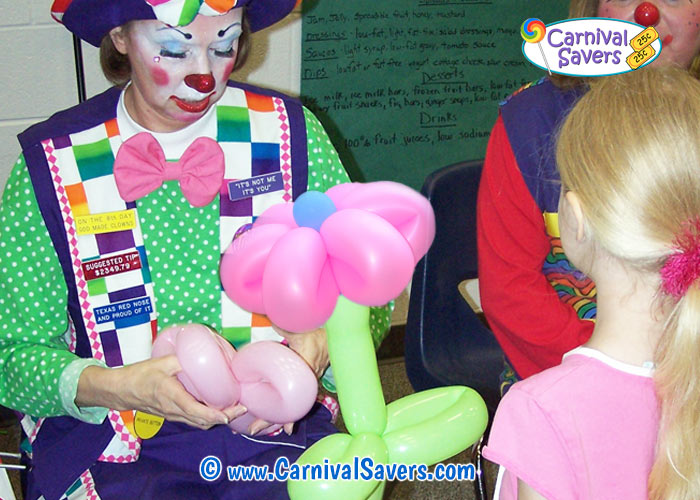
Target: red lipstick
(192,106)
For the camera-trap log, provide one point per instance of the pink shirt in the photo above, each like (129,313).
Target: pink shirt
(585,429)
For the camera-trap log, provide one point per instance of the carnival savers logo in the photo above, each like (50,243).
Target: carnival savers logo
(590,46)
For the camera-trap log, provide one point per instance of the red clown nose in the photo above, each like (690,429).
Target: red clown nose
(646,14)
(201,83)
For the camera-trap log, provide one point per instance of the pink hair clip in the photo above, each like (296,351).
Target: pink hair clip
(683,267)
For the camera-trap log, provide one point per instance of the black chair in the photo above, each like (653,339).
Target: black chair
(447,343)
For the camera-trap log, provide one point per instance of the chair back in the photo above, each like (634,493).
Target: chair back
(446,341)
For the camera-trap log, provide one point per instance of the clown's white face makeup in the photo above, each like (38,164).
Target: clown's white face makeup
(678,26)
(177,73)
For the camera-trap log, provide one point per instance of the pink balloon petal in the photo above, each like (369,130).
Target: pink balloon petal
(299,291)
(404,208)
(339,192)
(243,263)
(280,213)
(371,261)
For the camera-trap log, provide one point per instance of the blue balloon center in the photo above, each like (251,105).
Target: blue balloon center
(312,208)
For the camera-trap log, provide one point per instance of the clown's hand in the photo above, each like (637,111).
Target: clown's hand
(259,424)
(311,346)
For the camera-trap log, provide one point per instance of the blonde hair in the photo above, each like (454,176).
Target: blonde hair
(630,149)
(589,8)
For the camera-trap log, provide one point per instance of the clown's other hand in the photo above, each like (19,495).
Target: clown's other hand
(259,424)
(311,346)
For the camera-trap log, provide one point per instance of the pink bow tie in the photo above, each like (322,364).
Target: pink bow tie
(140,168)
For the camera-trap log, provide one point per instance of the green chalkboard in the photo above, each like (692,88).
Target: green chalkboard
(407,86)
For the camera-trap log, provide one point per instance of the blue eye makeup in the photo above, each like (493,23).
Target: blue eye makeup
(172,49)
(171,44)
(168,53)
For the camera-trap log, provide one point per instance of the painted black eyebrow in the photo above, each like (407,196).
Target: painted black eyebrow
(188,36)
(223,32)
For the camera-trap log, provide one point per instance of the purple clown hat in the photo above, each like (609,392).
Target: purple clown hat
(91,20)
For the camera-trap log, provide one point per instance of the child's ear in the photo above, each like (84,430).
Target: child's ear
(573,200)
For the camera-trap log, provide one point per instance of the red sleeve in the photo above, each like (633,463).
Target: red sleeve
(532,325)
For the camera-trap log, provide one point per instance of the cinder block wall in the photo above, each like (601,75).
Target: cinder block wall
(37,76)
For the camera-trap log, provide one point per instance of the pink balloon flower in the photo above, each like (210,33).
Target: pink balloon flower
(359,240)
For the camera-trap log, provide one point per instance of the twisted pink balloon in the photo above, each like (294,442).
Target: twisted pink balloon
(269,379)
(366,250)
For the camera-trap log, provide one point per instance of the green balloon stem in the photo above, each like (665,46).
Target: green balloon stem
(354,363)
(378,492)
(424,427)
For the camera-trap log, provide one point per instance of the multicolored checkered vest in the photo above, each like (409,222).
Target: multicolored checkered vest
(533,142)
(111,294)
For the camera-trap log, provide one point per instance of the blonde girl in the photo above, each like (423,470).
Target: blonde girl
(537,305)
(620,417)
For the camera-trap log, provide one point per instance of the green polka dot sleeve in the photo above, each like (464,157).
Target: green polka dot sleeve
(325,171)
(33,351)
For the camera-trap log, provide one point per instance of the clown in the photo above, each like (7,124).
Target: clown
(118,210)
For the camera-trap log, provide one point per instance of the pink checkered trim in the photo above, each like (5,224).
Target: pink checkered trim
(73,336)
(30,427)
(69,223)
(285,147)
(36,429)
(131,442)
(331,405)
(89,485)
